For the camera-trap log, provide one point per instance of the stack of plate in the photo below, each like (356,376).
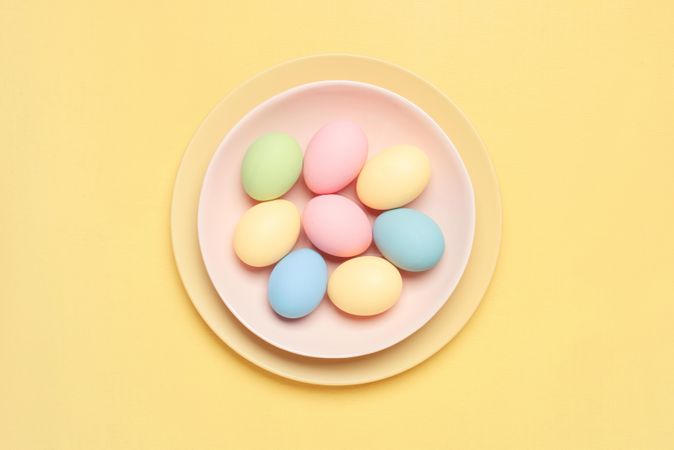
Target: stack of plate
(392,106)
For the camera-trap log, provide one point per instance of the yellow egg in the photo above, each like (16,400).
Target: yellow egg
(365,286)
(266,232)
(393,177)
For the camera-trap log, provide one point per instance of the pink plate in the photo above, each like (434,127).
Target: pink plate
(387,119)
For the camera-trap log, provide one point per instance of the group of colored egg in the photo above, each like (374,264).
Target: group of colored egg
(336,155)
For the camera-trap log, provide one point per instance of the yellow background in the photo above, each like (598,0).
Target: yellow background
(573,346)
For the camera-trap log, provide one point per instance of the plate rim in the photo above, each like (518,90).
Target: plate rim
(386,363)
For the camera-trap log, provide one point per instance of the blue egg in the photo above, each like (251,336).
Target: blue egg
(409,239)
(297,284)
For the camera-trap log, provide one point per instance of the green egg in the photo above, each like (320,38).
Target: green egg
(271,166)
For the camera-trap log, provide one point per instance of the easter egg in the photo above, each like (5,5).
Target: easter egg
(334,157)
(336,225)
(297,284)
(393,177)
(365,286)
(266,232)
(409,239)
(271,166)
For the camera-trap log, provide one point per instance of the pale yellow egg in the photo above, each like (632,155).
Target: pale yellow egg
(266,232)
(393,177)
(365,286)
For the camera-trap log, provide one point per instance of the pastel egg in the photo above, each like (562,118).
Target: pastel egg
(297,284)
(266,232)
(393,177)
(271,166)
(337,225)
(409,239)
(334,157)
(365,286)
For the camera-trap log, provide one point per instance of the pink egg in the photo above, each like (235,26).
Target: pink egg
(337,225)
(334,157)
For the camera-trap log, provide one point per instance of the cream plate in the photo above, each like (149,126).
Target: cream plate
(448,321)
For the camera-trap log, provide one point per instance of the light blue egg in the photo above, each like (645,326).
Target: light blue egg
(409,239)
(297,284)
